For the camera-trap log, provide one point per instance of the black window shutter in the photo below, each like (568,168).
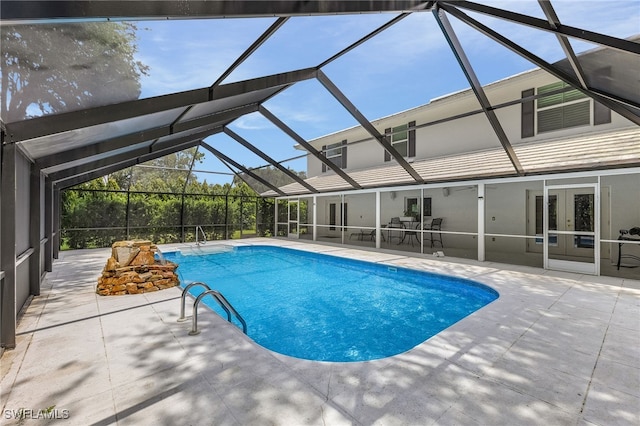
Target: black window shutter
(528,114)
(344,154)
(324,153)
(332,217)
(412,139)
(343,211)
(387,133)
(601,114)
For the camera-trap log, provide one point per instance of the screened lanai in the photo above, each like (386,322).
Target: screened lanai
(239,90)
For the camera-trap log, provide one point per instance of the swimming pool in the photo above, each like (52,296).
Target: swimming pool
(321,307)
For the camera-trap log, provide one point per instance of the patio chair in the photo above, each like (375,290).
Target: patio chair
(411,234)
(364,233)
(358,234)
(632,234)
(395,224)
(434,228)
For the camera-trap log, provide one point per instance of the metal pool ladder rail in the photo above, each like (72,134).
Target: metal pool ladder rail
(204,236)
(218,297)
(183,298)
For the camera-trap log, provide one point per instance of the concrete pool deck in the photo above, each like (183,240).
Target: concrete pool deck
(554,349)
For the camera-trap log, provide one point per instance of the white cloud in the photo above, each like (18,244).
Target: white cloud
(184,55)
(252,122)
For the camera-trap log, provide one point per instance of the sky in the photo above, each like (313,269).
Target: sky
(403,67)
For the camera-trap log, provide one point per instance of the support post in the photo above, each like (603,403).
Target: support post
(8,254)
(226,217)
(315,218)
(182,234)
(275,217)
(34,230)
(378,220)
(56,222)
(48,225)
(481,222)
(128,214)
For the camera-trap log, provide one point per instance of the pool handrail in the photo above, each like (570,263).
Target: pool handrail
(183,298)
(223,302)
(204,235)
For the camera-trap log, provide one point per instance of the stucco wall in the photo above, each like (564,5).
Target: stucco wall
(467,134)
(625,208)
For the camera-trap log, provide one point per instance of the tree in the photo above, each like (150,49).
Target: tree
(168,173)
(52,68)
(270,174)
(99,204)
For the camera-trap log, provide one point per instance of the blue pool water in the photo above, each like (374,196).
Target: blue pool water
(320,307)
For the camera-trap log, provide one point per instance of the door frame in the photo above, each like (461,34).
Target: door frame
(296,221)
(566,265)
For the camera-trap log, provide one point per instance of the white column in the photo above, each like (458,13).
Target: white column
(378,229)
(596,239)
(275,218)
(420,233)
(481,222)
(342,219)
(315,217)
(545,225)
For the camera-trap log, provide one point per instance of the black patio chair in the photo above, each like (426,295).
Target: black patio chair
(395,224)
(434,228)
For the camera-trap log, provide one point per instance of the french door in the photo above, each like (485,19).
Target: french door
(571,234)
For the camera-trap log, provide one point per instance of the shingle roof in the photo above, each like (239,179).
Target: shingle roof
(586,152)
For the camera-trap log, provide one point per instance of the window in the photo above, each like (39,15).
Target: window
(412,207)
(399,139)
(562,110)
(336,153)
(427,206)
(334,219)
(403,139)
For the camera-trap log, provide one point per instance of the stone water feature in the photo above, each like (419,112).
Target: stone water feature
(133,269)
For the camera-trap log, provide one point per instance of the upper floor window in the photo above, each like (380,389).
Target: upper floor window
(403,139)
(336,153)
(562,110)
(399,139)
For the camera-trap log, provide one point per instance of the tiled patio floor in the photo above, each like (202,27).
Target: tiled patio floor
(554,349)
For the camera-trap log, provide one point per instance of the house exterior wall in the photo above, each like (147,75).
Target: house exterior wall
(507,212)
(510,212)
(508,227)
(473,133)
(625,210)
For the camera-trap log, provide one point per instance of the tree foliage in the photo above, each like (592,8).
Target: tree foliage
(52,68)
(171,173)
(55,68)
(270,174)
(150,203)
